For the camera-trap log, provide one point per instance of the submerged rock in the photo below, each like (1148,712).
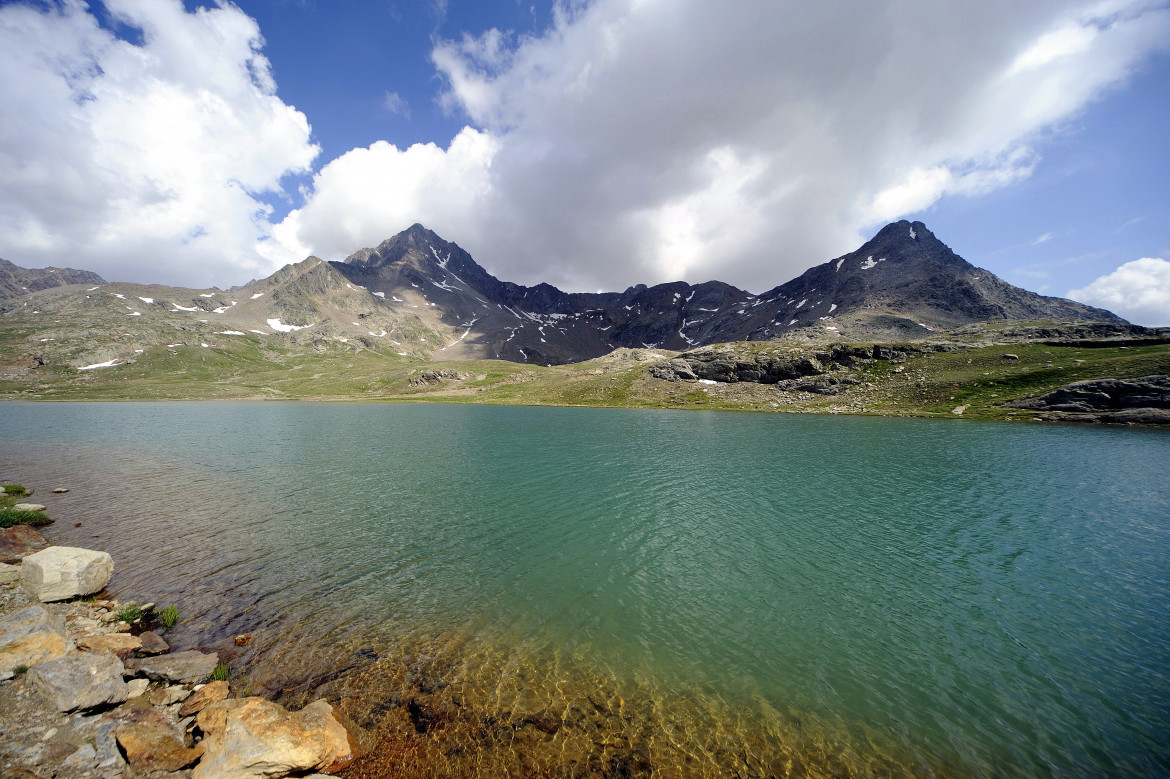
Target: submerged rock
(19,541)
(63,572)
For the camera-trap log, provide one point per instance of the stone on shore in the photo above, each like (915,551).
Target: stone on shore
(63,572)
(19,541)
(253,737)
(152,644)
(31,636)
(9,573)
(188,667)
(60,490)
(28,507)
(204,697)
(83,680)
(120,644)
(154,746)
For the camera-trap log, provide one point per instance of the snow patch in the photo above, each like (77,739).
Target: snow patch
(148,301)
(790,324)
(869,262)
(396,299)
(275,324)
(913,235)
(258,332)
(229,332)
(380,295)
(119,297)
(707,381)
(221,309)
(801,303)
(257,295)
(202,295)
(840,262)
(184,308)
(106,364)
(832,307)
(131,314)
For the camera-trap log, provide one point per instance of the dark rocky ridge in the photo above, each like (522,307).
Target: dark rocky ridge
(16,281)
(903,284)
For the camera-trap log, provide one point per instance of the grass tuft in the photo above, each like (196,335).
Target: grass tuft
(10,517)
(15,490)
(130,613)
(168,616)
(222,673)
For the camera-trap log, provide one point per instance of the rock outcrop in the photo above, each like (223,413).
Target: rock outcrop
(1144,400)
(63,572)
(254,737)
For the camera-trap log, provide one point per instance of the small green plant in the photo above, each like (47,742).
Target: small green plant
(130,613)
(19,670)
(10,517)
(15,489)
(168,617)
(222,673)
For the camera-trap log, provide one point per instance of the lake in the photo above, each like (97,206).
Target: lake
(491,590)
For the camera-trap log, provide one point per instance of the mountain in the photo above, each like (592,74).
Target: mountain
(903,284)
(16,281)
(419,296)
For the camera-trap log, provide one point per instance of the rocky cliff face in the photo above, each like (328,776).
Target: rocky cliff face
(902,284)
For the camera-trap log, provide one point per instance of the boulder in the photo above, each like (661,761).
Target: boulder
(60,490)
(154,747)
(63,572)
(190,667)
(136,687)
(19,541)
(31,636)
(28,507)
(120,644)
(204,697)
(82,680)
(253,737)
(152,644)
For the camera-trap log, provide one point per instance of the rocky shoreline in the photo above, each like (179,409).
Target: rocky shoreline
(88,689)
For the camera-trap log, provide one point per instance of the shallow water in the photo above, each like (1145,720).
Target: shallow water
(577,591)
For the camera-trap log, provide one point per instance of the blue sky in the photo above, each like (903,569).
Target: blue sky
(593,144)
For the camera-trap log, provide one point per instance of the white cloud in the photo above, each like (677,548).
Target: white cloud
(144,161)
(608,125)
(1138,291)
(396,104)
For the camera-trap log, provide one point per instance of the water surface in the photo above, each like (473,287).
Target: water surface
(583,591)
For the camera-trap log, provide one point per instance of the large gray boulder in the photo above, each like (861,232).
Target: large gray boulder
(84,680)
(31,636)
(190,667)
(63,572)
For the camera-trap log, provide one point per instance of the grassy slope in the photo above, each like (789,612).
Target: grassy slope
(245,367)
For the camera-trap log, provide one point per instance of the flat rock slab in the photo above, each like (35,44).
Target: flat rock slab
(63,572)
(120,644)
(19,541)
(190,667)
(204,697)
(80,681)
(31,636)
(28,507)
(254,737)
(9,573)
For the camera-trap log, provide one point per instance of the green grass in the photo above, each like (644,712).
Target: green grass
(222,673)
(16,490)
(130,613)
(10,517)
(168,616)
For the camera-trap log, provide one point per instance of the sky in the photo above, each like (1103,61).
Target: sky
(591,144)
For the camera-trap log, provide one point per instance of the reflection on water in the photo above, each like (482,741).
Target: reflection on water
(589,593)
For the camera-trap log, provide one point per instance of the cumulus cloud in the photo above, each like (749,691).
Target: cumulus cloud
(141,160)
(644,141)
(1138,291)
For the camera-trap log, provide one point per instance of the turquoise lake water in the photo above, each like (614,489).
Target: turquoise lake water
(689,593)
